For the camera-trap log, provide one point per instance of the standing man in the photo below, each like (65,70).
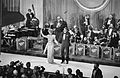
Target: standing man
(29,16)
(110,20)
(96,73)
(65,40)
(59,25)
(85,24)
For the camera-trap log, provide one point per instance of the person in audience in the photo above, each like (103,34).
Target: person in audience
(36,73)
(50,45)
(15,74)
(115,76)
(79,74)
(70,75)
(65,43)
(96,73)
(28,70)
(57,74)
(24,76)
(10,69)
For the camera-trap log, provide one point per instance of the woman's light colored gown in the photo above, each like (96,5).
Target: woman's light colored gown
(50,47)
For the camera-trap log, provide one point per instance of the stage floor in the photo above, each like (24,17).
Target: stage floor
(86,68)
(78,58)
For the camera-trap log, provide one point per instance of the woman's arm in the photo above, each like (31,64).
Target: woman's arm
(55,40)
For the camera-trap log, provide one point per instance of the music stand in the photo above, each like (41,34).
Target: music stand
(106,53)
(80,48)
(94,51)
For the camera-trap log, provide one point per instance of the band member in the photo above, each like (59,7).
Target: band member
(96,41)
(118,24)
(102,38)
(109,20)
(86,23)
(84,41)
(76,39)
(90,35)
(113,42)
(29,17)
(65,40)
(59,25)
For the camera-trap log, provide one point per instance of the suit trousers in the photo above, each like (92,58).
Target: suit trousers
(65,52)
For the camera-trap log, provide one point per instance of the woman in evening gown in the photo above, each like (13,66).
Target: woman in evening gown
(50,45)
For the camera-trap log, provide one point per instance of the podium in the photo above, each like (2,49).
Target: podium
(22,43)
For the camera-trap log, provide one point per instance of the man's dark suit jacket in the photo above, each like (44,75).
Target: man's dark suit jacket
(113,21)
(29,18)
(98,73)
(59,29)
(65,42)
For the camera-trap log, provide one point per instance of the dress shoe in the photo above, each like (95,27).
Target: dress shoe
(62,62)
(67,62)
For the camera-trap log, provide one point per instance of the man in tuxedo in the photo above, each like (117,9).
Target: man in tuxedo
(85,24)
(64,39)
(110,20)
(29,16)
(96,73)
(59,25)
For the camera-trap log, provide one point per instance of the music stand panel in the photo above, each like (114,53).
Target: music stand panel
(106,53)
(116,55)
(22,43)
(80,49)
(94,51)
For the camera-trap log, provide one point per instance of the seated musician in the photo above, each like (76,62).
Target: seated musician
(29,17)
(113,42)
(76,38)
(90,35)
(85,41)
(118,24)
(108,22)
(102,38)
(96,41)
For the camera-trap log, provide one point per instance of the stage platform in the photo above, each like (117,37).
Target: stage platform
(86,68)
(77,58)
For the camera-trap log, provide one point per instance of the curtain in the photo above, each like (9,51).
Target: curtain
(11,5)
(72,14)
